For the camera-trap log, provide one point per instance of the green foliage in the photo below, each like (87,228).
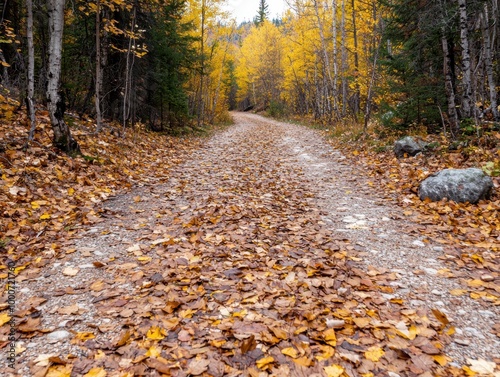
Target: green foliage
(492,168)
(277,109)
(262,13)
(412,61)
(170,59)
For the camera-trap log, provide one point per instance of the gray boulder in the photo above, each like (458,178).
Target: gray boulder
(407,145)
(460,185)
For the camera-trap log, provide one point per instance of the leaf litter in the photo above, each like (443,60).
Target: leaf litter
(226,269)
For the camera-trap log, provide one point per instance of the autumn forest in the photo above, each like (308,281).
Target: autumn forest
(311,193)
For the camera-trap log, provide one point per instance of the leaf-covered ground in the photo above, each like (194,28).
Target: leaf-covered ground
(226,268)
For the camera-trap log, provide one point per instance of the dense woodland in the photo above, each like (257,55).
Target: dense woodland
(171,63)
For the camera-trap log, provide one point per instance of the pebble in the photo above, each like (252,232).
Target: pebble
(436,292)
(474,332)
(462,342)
(386,219)
(418,243)
(439,303)
(430,271)
(24,290)
(88,265)
(487,313)
(438,248)
(487,278)
(58,335)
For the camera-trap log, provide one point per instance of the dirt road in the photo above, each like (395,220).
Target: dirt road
(265,254)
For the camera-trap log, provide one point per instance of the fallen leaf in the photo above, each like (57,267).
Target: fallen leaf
(333,370)
(70,271)
(156,333)
(290,351)
(264,362)
(96,372)
(374,353)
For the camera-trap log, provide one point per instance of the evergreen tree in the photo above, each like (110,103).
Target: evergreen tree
(262,13)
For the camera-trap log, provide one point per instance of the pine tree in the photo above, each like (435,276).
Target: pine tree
(262,13)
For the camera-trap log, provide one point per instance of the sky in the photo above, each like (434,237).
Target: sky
(247,9)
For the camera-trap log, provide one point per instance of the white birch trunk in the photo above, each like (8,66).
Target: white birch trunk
(466,62)
(55,103)
(489,62)
(30,104)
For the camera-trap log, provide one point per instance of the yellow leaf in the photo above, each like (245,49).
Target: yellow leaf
(218,343)
(35,205)
(144,259)
(374,353)
(327,352)
(59,371)
(96,372)
(482,366)
(303,361)
(290,351)
(334,370)
(71,191)
(241,314)
(156,333)
(45,216)
(458,292)
(355,153)
(4,318)
(84,336)
(441,359)
(476,283)
(330,337)
(264,362)
(153,351)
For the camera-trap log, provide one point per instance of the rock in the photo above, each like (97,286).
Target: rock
(460,185)
(407,145)
(58,335)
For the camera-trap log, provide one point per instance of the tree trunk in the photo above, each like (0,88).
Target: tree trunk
(330,86)
(30,105)
(343,63)
(489,63)
(466,62)
(55,101)
(201,108)
(449,87)
(356,61)
(98,70)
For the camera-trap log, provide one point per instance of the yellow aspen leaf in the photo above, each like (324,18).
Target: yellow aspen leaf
(441,317)
(300,330)
(362,322)
(303,361)
(334,370)
(441,359)
(59,371)
(476,283)
(241,314)
(84,336)
(71,191)
(330,337)
(374,353)
(451,331)
(458,292)
(96,372)
(144,259)
(218,343)
(4,318)
(35,205)
(99,355)
(156,333)
(327,352)
(188,313)
(290,351)
(45,216)
(153,351)
(468,371)
(264,362)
